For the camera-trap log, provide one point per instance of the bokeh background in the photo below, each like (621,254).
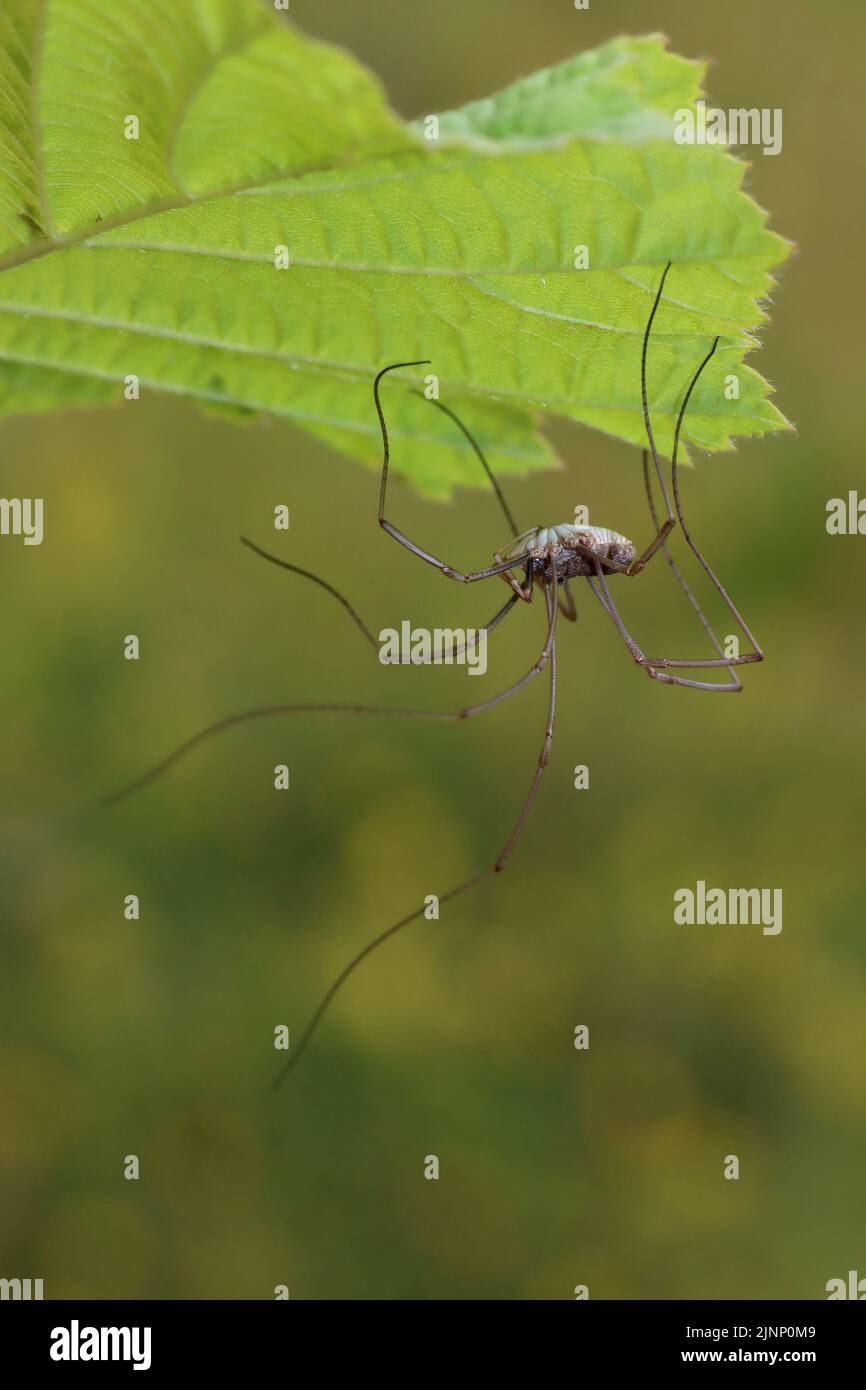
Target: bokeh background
(155,1037)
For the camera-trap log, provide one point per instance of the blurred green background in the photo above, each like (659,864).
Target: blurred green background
(155,1037)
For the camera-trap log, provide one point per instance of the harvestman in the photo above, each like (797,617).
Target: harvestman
(549,557)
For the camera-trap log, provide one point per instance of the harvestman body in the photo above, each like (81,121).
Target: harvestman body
(568,547)
(549,558)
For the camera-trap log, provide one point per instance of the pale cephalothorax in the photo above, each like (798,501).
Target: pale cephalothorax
(544,557)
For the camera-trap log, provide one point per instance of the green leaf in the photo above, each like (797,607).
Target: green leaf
(626,90)
(158,257)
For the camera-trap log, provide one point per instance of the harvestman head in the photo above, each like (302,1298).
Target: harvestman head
(544,557)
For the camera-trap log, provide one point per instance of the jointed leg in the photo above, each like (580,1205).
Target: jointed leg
(500,497)
(455,652)
(508,848)
(663,531)
(680,577)
(756,654)
(323,583)
(248,716)
(497,867)
(450,573)
(523,590)
(677,572)
(600,588)
(662,663)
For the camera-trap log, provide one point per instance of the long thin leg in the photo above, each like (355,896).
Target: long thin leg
(455,651)
(523,592)
(497,866)
(450,573)
(669,523)
(500,497)
(757,654)
(677,572)
(323,584)
(696,663)
(612,566)
(269,711)
(603,594)
(520,824)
